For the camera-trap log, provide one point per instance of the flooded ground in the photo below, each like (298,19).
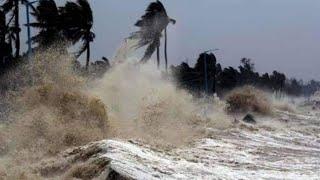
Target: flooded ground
(288,149)
(239,153)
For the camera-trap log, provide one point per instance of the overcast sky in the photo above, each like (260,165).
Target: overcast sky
(279,35)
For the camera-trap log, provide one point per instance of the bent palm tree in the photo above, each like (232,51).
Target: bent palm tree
(151,25)
(48,21)
(78,21)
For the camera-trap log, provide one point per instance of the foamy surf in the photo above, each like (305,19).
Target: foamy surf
(226,154)
(235,153)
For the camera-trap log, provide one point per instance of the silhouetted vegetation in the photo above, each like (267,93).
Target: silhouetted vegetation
(248,99)
(222,80)
(6,57)
(49,23)
(77,20)
(11,7)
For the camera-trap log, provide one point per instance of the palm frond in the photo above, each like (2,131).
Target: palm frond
(151,24)
(153,10)
(10,19)
(46,12)
(36,25)
(78,20)
(82,49)
(48,20)
(7,6)
(86,11)
(150,50)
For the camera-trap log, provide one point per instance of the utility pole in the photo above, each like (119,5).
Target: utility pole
(28,4)
(214,73)
(205,73)
(205,70)
(206,99)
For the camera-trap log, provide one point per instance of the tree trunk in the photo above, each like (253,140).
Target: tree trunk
(10,42)
(165,48)
(214,90)
(3,27)
(158,57)
(17,28)
(149,51)
(88,56)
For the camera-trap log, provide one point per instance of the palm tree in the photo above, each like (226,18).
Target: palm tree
(165,48)
(5,49)
(78,21)
(151,25)
(48,21)
(6,33)
(13,6)
(3,26)
(3,32)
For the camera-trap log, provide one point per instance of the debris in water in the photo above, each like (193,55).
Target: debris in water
(249,118)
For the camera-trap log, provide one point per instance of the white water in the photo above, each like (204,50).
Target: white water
(290,152)
(285,146)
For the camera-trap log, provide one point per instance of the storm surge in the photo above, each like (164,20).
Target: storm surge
(58,124)
(144,103)
(48,112)
(52,108)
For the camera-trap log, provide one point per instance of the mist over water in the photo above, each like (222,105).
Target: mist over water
(53,109)
(143,103)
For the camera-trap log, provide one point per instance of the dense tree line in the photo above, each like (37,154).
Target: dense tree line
(221,80)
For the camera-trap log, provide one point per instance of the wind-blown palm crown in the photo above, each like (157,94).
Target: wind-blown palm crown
(48,20)
(78,21)
(151,25)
